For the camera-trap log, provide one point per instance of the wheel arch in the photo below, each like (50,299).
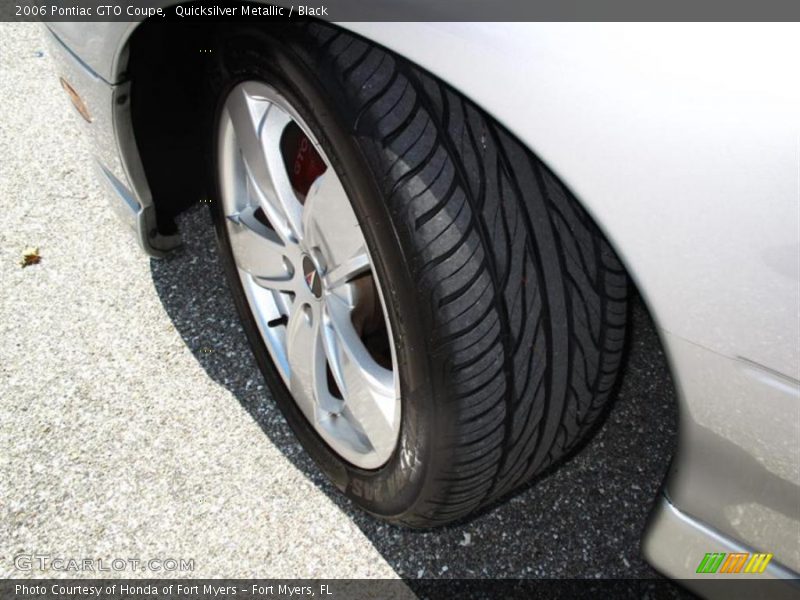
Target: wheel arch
(164,64)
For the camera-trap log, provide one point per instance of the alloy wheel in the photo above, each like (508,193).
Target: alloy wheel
(308,275)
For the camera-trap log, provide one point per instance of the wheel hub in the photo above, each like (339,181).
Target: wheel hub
(313,280)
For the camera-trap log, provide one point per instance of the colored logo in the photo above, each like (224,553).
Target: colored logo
(735,562)
(312,277)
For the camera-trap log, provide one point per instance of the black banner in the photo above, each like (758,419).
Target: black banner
(388,589)
(404,10)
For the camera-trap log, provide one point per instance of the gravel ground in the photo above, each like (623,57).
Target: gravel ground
(134,422)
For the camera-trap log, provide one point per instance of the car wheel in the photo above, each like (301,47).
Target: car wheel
(432,310)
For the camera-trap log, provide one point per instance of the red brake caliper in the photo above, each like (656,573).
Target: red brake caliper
(304,162)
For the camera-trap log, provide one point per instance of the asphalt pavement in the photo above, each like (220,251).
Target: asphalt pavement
(135,423)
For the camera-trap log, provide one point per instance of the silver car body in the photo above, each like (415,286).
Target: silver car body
(683,142)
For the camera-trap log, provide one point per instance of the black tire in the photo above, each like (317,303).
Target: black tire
(507,305)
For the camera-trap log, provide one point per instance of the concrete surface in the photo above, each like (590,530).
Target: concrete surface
(134,422)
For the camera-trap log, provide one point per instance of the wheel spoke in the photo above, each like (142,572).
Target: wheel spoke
(259,251)
(348,270)
(306,357)
(258,125)
(367,387)
(330,225)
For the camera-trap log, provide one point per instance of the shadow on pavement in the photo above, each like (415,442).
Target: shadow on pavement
(583,520)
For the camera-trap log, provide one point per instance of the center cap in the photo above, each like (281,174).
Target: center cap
(312,277)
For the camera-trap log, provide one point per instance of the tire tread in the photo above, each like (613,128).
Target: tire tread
(529,300)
